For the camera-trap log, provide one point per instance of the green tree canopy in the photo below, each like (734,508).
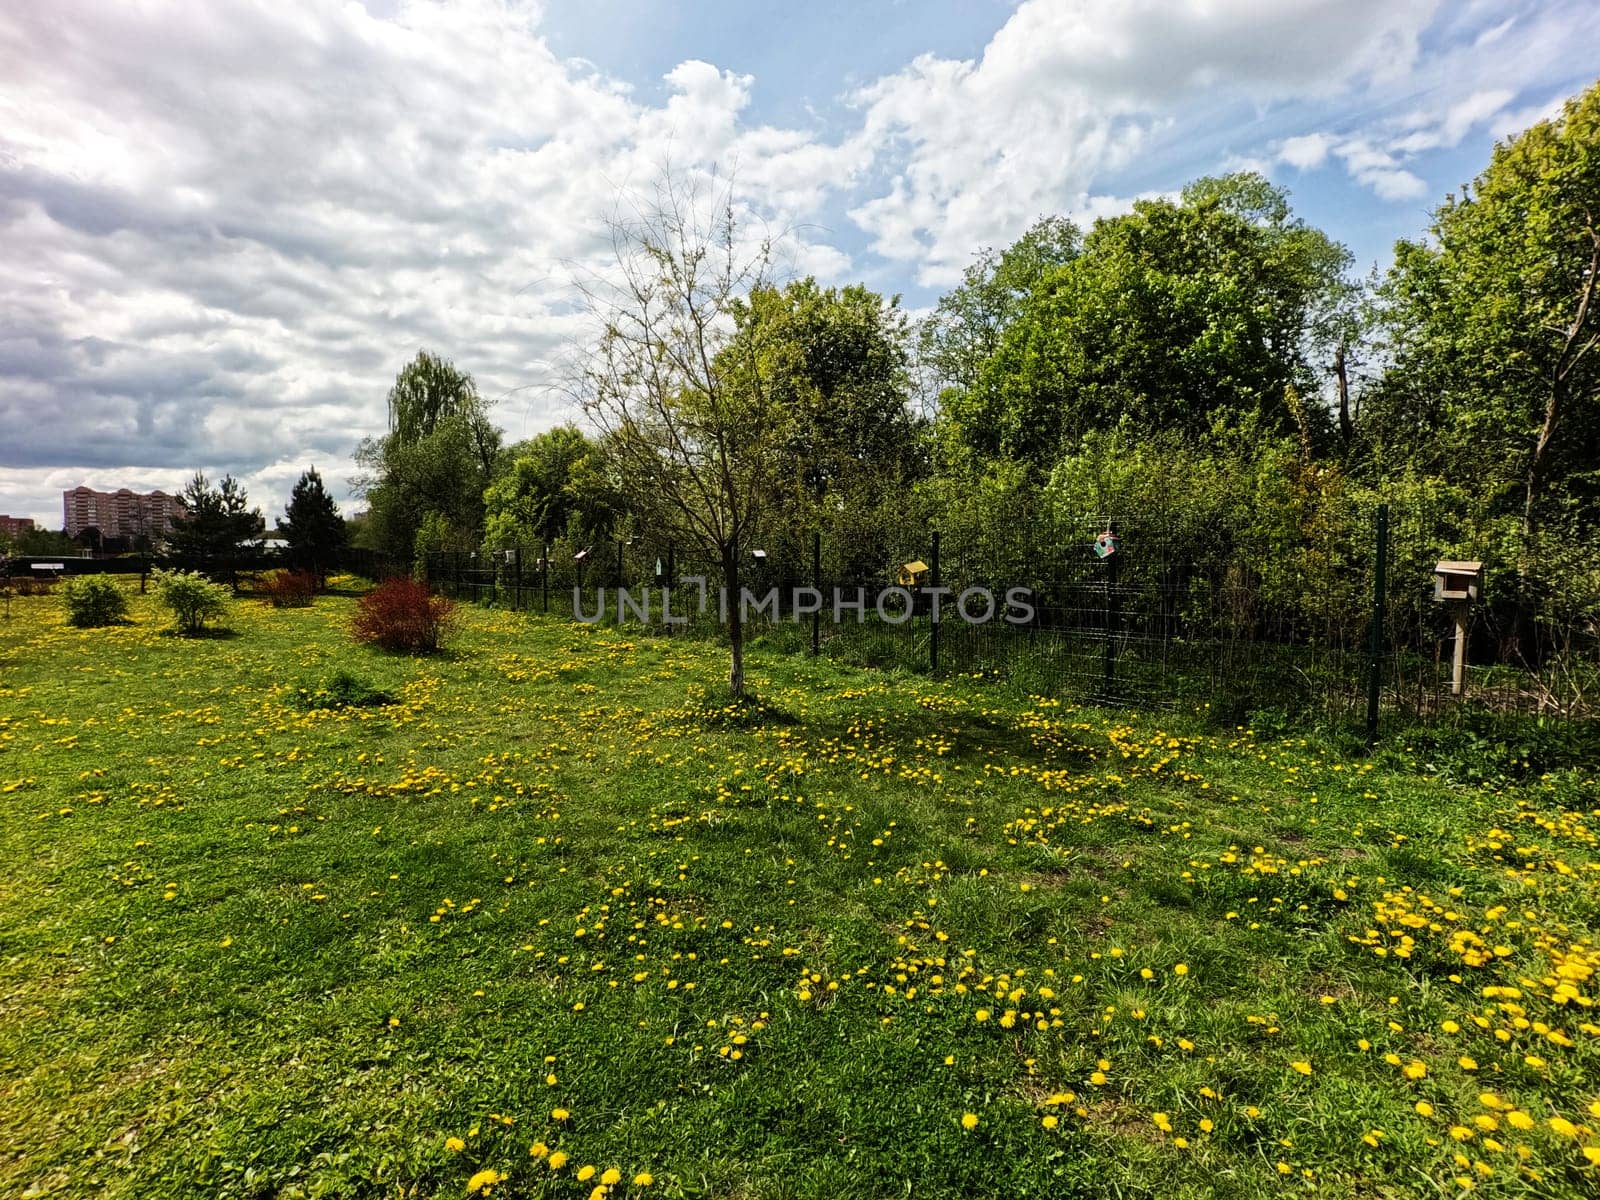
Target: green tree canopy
(837,364)
(1494,323)
(557,483)
(965,326)
(1179,315)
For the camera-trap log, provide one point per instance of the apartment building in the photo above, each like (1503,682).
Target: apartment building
(119,514)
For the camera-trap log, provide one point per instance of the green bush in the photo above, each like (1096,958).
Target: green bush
(193,599)
(94,600)
(343,689)
(1479,745)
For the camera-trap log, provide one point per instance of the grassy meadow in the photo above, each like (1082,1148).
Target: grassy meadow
(542,916)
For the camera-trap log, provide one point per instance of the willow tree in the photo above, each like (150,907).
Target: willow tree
(428,390)
(424,480)
(692,421)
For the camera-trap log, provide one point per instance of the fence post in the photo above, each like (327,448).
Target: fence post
(544,578)
(1375,637)
(1113,562)
(816,583)
(671,580)
(933,610)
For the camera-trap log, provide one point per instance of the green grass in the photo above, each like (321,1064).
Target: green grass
(265,934)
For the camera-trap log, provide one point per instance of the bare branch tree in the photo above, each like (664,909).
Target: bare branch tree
(685,408)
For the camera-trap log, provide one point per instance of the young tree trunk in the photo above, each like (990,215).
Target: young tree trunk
(1342,376)
(730,581)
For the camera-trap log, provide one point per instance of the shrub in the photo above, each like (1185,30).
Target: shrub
(93,600)
(192,597)
(343,689)
(290,589)
(401,614)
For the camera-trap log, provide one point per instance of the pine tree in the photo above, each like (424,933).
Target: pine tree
(220,525)
(312,526)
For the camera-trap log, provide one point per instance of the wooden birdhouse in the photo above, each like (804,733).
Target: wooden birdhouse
(1457,581)
(912,574)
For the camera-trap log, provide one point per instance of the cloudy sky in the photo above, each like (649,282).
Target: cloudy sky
(224,226)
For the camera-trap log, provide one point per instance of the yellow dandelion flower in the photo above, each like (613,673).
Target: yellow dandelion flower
(558,1160)
(969,1120)
(483,1181)
(559,1114)
(454,1144)
(1181,969)
(643,1179)
(1303,1067)
(611,1176)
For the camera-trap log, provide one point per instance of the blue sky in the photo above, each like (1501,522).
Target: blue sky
(223,228)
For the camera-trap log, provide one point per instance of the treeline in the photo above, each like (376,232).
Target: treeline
(1205,366)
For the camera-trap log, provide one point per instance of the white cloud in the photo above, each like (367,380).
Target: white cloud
(1308,151)
(226,227)
(1485,60)
(1067,92)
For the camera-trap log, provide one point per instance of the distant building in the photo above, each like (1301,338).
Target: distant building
(119,514)
(15,527)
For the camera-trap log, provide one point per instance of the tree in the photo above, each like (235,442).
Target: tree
(424,480)
(558,482)
(1494,325)
(692,421)
(965,326)
(311,526)
(38,542)
(219,524)
(837,361)
(1180,315)
(428,390)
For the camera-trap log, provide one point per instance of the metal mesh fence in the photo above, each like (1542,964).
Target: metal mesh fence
(1162,617)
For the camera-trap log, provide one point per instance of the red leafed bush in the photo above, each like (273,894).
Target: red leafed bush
(289,589)
(401,614)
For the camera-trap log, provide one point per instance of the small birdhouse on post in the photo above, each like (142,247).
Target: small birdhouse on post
(1456,583)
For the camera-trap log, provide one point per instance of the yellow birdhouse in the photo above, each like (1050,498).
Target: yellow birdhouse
(913,574)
